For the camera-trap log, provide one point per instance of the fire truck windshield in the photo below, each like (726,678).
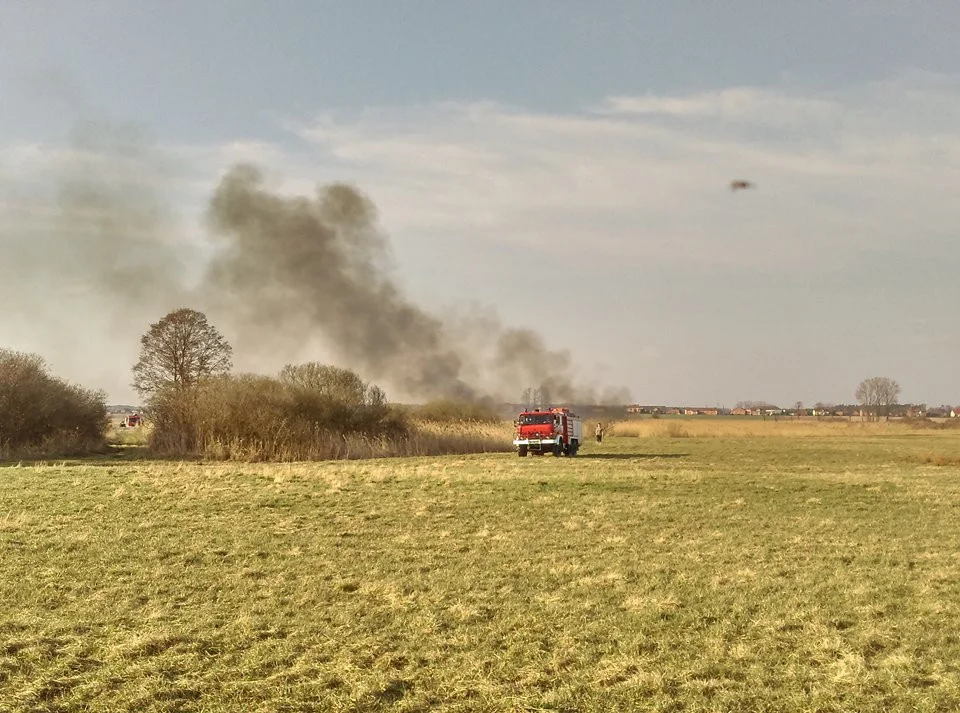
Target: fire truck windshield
(529,419)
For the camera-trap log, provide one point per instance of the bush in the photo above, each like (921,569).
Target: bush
(928,423)
(43,415)
(251,417)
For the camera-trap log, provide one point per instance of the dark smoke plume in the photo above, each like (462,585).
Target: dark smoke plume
(98,257)
(316,261)
(317,265)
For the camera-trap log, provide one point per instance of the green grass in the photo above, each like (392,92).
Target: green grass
(751,574)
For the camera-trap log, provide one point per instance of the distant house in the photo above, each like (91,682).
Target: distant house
(955,412)
(738,411)
(640,408)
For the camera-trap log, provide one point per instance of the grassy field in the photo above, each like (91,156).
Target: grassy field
(759,571)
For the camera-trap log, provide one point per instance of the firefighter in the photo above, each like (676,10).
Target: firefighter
(599,432)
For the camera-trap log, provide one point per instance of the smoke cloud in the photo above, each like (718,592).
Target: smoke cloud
(318,259)
(279,274)
(90,251)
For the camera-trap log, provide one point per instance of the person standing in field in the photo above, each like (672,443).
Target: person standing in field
(599,432)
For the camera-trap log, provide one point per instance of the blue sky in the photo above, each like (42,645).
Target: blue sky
(521,148)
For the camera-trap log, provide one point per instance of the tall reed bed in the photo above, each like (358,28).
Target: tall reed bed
(420,439)
(258,418)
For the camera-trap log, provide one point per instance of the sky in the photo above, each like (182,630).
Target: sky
(563,166)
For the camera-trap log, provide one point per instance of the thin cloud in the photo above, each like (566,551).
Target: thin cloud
(742,105)
(835,172)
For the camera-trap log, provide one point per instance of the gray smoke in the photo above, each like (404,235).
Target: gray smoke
(118,229)
(320,261)
(98,257)
(89,252)
(317,265)
(522,352)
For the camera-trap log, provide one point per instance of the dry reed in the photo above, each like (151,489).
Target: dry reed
(696,427)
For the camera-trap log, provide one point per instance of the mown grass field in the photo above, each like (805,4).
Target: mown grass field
(813,571)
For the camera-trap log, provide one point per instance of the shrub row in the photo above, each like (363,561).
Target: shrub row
(255,417)
(43,415)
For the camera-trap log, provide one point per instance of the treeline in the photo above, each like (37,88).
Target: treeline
(41,414)
(196,408)
(308,411)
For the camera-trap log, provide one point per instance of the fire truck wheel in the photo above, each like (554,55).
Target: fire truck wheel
(522,451)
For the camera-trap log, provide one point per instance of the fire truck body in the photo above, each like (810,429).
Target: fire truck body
(558,431)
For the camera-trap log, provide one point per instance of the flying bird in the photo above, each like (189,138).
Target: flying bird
(737,185)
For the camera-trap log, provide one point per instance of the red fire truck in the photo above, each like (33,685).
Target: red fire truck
(558,431)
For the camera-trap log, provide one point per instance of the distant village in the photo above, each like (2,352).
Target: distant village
(819,411)
(822,411)
(750,409)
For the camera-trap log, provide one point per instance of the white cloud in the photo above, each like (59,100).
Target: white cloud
(742,105)
(835,172)
(640,179)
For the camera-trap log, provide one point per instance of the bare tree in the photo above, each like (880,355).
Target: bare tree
(334,383)
(527,397)
(180,349)
(539,397)
(877,394)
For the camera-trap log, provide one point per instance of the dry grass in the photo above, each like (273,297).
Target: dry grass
(733,427)
(423,439)
(138,436)
(58,445)
(696,574)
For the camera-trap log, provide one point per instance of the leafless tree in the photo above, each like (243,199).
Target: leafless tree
(538,397)
(527,397)
(877,394)
(177,351)
(332,382)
